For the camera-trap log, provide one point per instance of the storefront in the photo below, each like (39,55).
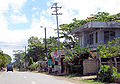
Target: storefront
(55,63)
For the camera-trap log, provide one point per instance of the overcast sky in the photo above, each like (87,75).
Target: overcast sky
(21,19)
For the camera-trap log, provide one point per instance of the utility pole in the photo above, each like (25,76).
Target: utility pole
(25,50)
(56,13)
(25,59)
(45,44)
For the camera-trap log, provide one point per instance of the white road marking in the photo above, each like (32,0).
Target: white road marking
(25,77)
(33,82)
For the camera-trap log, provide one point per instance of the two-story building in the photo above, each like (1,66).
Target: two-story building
(94,32)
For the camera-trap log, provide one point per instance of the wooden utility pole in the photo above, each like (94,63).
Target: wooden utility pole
(56,13)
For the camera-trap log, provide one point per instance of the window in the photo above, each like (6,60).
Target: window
(112,35)
(90,39)
(96,36)
(108,36)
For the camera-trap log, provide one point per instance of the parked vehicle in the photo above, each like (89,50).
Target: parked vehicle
(9,67)
(2,69)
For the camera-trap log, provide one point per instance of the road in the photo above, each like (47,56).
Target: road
(29,78)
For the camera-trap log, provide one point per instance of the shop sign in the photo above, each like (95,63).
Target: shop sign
(57,53)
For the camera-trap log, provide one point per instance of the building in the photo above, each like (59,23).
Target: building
(94,32)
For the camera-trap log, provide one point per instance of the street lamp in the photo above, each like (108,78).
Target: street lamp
(45,43)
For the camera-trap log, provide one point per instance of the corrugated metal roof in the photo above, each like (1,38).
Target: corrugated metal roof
(97,25)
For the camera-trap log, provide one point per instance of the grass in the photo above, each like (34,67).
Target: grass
(95,81)
(72,75)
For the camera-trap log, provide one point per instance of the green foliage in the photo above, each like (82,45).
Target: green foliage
(111,49)
(76,56)
(3,59)
(9,59)
(33,66)
(30,61)
(115,74)
(35,49)
(105,74)
(18,58)
(52,45)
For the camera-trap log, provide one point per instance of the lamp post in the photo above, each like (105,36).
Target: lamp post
(45,42)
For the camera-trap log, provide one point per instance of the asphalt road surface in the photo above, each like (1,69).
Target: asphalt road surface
(29,78)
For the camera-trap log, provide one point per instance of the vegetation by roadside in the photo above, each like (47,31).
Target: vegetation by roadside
(94,81)
(77,79)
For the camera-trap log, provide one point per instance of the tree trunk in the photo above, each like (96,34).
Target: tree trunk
(98,66)
(115,62)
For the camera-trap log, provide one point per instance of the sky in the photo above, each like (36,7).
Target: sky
(21,19)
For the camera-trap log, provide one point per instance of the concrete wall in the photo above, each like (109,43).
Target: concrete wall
(89,66)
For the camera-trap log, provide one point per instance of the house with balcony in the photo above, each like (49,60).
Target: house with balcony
(93,33)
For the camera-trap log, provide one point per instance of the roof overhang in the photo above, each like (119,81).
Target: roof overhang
(96,25)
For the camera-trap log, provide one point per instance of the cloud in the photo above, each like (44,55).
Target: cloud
(16,4)
(85,8)
(5,34)
(18,19)
(79,9)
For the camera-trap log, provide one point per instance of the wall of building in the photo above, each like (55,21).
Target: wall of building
(89,66)
(84,37)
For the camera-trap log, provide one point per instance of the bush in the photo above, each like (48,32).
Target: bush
(115,74)
(105,74)
(33,66)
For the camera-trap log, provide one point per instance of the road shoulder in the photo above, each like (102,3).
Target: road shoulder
(76,80)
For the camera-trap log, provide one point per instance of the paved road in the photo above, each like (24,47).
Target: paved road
(29,78)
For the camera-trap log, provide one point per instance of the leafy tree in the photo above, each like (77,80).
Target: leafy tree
(35,49)
(52,45)
(30,61)
(111,49)
(19,58)
(3,59)
(9,58)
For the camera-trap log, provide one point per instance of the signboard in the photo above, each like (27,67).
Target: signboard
(50,62)
(57,53)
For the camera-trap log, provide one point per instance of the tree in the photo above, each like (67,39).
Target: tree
(52,45)
(9,58)
(35,49)
(19,58)
(30,61)
(3,59)
(110,50)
